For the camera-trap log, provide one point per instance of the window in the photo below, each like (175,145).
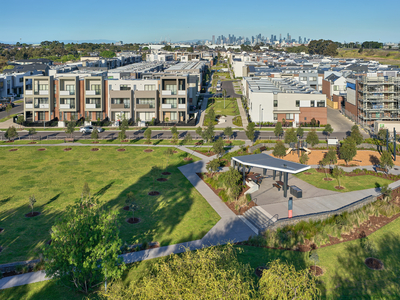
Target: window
(125,101)
(146,116)
(124,87)
(149,87)
(21,79)
(41,115)
(303,78)
(182,100)
(172,101)
(335,87)
(99,115)
(275,117)
(275,103)
(313,78)
(297,103)
(74,116)
(312,103)
(67,101)
(150,101)
(70,88)
(94,101)
(289,116)
(305,118)
(95,87)
(174,116)
(321,103)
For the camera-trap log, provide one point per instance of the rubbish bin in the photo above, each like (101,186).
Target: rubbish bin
(295,191)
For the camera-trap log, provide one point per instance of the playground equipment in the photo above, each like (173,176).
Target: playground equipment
(301,146)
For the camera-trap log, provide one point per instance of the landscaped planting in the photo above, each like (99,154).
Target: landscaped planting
(55,177)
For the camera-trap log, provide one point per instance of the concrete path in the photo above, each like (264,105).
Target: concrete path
(242,113)
(22,279)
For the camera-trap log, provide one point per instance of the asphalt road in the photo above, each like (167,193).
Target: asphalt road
(157,135)
(339,122)
(230,91)
(19,108)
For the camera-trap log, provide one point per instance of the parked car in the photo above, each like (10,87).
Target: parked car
(90,128)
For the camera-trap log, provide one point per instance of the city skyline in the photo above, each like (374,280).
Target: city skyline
(172,21)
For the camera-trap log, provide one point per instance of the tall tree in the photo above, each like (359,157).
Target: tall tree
(279,149)
(328,129)
(338,173)
(348,150)
(300,132)
(331,157)
(312,138)
(386,160)
(213,166)
(209,134)
(356,135)
(84,248)
(218,147)
(199,132)
(250,131)
(290,136)
(278,131)
(228,132)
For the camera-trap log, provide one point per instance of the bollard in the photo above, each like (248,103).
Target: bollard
(290,207)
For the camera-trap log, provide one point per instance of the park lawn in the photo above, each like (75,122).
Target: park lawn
(350,183)
(166,142)
(24,142)
(231,108)
(56,179)
(8,118)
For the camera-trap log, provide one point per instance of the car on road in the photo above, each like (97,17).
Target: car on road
(90,128)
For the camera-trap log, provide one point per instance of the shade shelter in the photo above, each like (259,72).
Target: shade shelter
(267,162)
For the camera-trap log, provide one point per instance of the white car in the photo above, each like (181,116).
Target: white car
(89,129)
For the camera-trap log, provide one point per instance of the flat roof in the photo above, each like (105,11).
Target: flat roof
(266,161)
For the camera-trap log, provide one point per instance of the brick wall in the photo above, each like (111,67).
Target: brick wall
(319,113)
(326,89)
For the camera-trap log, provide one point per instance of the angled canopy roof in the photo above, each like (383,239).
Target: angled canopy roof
(266,161)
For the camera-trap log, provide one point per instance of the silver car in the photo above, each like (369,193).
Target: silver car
(90,128)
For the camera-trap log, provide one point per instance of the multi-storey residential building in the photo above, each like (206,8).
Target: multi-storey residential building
(274,99)
(39,98)
(94,94)
(67,95)
(147,100)
(120,99)
(174,105)
(373,98)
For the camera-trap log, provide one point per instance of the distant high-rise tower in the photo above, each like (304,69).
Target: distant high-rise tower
(213,39)
(299,39)
(280,38)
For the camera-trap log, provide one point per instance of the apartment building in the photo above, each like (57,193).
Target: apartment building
(334,84)
(120,99)
(373,98)
(174,104)
(147,100)
(274,99)
(67,98)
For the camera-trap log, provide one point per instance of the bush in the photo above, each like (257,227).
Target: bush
(248,197)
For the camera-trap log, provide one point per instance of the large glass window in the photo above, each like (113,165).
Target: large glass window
(95,87)
(297,103)
(95,101)
(172,88)
(289,116)
(42,103)
(69,101)
(275,103)
(70,88)
(275,117)
(321,103)
(124,87)
(172,101)
(125,101)
(150,101)
(41,115)
(149,87)
(146,116)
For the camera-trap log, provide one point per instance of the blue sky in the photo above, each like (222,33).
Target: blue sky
(146,21)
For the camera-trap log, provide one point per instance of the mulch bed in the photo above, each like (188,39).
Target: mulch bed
(307,173)
(339,187)
(206,153)
(41,149)
(231,205)
(120,150)
(133,220)
(174,151)
(32,143)
(148,150)
(1,230)
(259,270)
(125,141)
(316,271)
(126,207)
(166,173)
(188,159)
(12,150)
(94,149)
(31,215)
(162,179)
(67,149)
(12,141)
(328,179)
(153,193)
(374,263)
(148,143)
(95,142)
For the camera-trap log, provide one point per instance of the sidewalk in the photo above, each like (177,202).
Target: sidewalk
(245,122)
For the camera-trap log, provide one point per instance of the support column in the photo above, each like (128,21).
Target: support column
(273,174)
(244,175)
(280,176)
(285,184)
(264,172)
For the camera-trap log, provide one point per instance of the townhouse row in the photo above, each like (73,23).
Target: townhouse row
(164,98)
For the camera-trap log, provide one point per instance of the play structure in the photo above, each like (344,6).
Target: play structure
(301,146)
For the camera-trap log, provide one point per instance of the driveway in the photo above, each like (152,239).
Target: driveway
(230,91)
(19,108)
(338,122)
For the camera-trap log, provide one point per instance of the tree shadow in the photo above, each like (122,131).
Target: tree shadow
(5,200)
(52,199)
(374,160)
(103,190)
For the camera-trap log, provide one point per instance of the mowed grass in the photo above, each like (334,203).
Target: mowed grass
(56,179)
(231,108)
(350,184)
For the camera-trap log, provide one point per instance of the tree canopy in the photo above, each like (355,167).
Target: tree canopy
(279,149)
(290,136)
(312,138)
(322,47)
(348,150)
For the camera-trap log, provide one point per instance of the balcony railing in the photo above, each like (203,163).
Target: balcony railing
(92,93)
(29,106)
(41,105)
(181,93)
(43,92)
(118,106)
(28,92)
(143,106)
(181,105)
(92,105)
(67,93)
(166,93)
(65,106)
(166,106)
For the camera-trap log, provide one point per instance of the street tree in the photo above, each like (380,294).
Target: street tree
(32,201)
(31,131)
(337,173)
(328,129)
(70,128)
(228,132)
(124,125)
(290,136)
(147,135)
(386,160)
(279,149)
(218,147)
(282,281)
(20,120)
(95,134)
(209,134)
(187,139)
(174,130)
(250,131)
(278,131)
(300,132)
(331,157)
(11,133)
(312,138)
(199,132)
(356,135)
(213,166)
(84,248)
(121,135)
(348,150)
(175,138)
(8,110)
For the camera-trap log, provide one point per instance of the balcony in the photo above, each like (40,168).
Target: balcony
(28,92)
(143,106)
(67,93)
(166,106)
(92,93)
(43,92)
(92,105)
(166,93)
(65,106)
(42,105)
(181,93)
(29,106)
(118,106)
(182,106)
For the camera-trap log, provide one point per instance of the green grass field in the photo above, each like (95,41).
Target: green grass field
(231,108)
(56,179)
(349,183)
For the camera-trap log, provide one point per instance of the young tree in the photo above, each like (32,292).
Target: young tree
(228,132)
(124,125)
(386,192)
(382,135)
(130,202)
(283,122)
(331,157)
(312,138)
(11,133)
(278,131)
(187,139)
(95,134)
(250,131)
(279,149)
(303,159)
(31,131)
(85,192)
(337,173)
(314,257)
(32,201)
(328,129)
(231,180)
(199,132)
(348,150)
(356,135)
(169,153)
(70,128)
(300,132)
(218,147)
(84,248)
(175,138)
(213,166)
(323,162)
(121,135)
(174,130)
(20,120)
(209,134)
(8,109)
(283,281)
(386,160)
(147,135)
(290,136)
